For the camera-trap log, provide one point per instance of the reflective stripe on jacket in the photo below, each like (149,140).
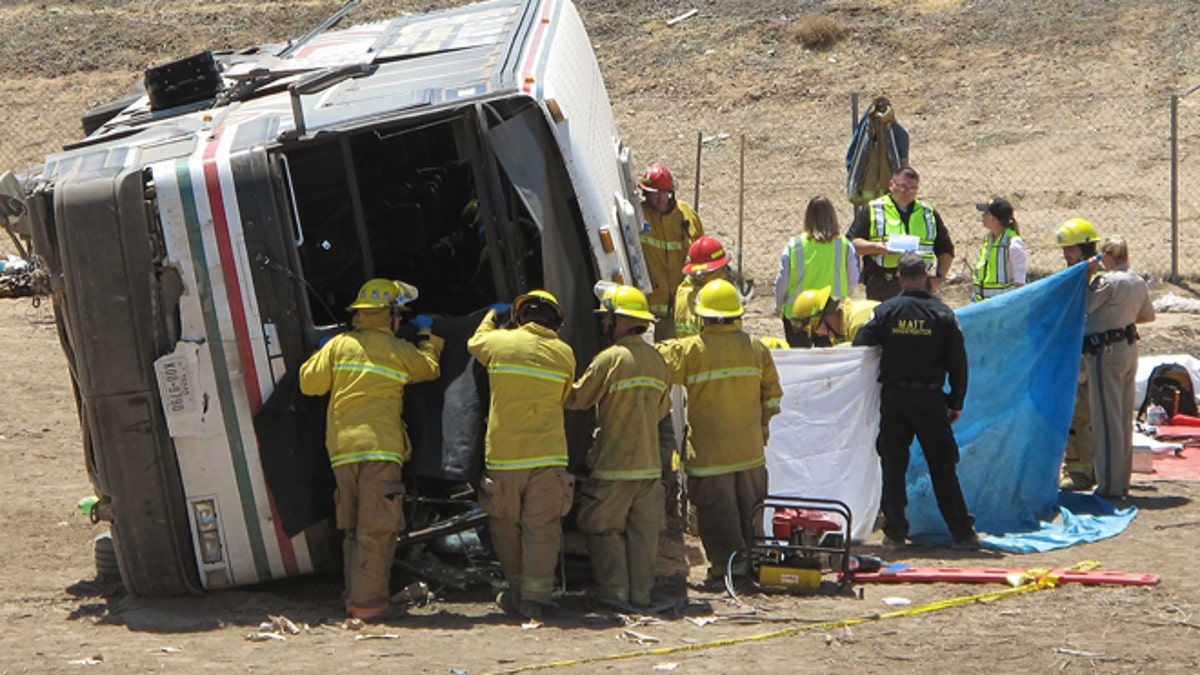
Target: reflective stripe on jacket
(665,242)
(686,321)
(530,371)
(886,222)
(628,385)
(364,371)
(733,390)
(991,270)
(817,264)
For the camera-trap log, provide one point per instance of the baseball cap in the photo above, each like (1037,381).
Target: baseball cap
(999,207)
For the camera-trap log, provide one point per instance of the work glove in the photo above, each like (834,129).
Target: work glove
(500,307)
(422,322)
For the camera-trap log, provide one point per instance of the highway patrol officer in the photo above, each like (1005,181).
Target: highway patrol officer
(922,344)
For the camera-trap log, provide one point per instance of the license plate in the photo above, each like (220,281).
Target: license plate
(175,385)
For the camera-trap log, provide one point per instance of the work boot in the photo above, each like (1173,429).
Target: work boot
(891,542)
(1076,482)
(530,610)
(968,542)
(507,602)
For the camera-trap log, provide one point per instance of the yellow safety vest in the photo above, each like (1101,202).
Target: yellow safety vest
(824,264)
(991,270)
(886,221)
(530,371)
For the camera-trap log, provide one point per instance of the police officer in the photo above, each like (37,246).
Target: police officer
(621,500)
(526,489)
(1118,300)
(899,213)
(922,344)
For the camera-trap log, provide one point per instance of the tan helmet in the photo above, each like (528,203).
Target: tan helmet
(1075,231)
(718,299)
(810,303)
(382,293)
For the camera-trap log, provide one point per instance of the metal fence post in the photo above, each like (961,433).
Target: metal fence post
(1174,188)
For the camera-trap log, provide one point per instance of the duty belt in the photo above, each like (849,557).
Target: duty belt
(1095,342)
(913,384)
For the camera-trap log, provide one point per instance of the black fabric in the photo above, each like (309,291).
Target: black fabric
(291,442)
(446,418)
(921,342)
(905,413)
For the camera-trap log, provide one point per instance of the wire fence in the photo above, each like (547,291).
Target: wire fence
(1122,182)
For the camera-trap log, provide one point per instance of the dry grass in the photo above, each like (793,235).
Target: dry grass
(817,31)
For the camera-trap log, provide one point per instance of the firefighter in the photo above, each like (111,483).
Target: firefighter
(877,227)
(1078,240)
(733,391)
(526,489)
(706,261)
(621,500)
(364,371)
(669,227)
(827,319)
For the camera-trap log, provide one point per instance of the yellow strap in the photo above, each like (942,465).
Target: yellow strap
(1041,583)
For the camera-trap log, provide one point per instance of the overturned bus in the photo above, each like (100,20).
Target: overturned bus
(204,238)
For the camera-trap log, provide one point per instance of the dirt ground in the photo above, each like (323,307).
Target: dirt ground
(736,66)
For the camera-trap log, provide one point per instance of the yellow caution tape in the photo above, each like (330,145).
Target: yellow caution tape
(1034,580)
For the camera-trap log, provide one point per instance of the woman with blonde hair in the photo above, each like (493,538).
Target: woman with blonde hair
(820,256)
(1118,300)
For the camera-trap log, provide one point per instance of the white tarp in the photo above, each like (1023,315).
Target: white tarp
(822,444)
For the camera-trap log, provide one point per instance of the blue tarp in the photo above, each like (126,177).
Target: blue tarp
(1023,349)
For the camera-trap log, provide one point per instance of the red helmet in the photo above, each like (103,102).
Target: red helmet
(706,254)
(657,178)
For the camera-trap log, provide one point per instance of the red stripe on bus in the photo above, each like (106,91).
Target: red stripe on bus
(237,312)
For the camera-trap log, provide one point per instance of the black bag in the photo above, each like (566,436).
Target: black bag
(1170,386)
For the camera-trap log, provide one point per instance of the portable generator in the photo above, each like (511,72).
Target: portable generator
(807,537)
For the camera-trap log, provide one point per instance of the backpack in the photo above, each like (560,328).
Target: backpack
(1170,386)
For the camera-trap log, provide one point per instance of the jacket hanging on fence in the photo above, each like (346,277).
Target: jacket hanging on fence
(878,148)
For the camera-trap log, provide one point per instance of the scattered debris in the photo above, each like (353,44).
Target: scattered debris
(640,638)
(686,15)
(377,636)
(1076,652)
(264,636)
(531,624)
(1174,303)
(893,601)
(89,661)
(669,665)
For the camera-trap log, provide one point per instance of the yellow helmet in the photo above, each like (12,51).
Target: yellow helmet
(718,299)
(810,303)
(773,342)
(383,293)
(623,300)
(1074,232)
(534,299)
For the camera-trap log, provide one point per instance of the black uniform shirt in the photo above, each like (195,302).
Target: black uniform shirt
(921,342)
